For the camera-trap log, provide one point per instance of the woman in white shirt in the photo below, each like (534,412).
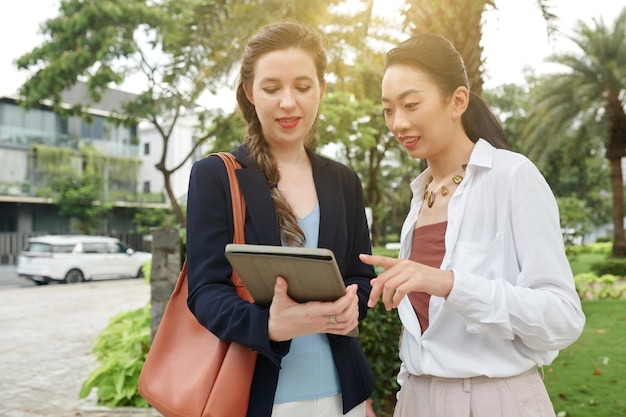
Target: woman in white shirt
(482,284)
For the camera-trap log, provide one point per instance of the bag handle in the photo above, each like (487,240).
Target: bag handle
(239,215)
(239,204)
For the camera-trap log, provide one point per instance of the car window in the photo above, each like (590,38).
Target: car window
(117,248)
(39,247)
(95,247)
(63,248)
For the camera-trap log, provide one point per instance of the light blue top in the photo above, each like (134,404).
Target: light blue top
(308,370)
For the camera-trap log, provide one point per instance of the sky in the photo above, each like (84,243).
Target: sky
(514,36)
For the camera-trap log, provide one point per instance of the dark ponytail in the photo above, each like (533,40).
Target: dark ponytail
(480,122)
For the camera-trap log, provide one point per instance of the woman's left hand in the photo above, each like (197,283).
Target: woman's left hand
(403,276)
(289,319)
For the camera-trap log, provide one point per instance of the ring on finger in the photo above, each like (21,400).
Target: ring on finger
(332,319)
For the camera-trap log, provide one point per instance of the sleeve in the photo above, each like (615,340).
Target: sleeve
(212,297)
(539,305)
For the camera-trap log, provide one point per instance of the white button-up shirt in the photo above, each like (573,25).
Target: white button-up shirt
(513,304)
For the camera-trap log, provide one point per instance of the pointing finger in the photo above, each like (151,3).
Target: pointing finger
(378,260)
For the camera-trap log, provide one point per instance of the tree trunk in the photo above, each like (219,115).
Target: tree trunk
(460,22)
(615,152)
(617,186)
(177,210)
(180,218)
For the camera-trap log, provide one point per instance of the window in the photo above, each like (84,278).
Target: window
(95,130)
(39,247)
(116,133)
(40,120)
(146,148)
(64,248)
(117,248)
(146,186)
(95,248)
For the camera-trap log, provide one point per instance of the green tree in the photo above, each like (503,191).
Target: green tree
(181,48)
(78,197)
(579,170)
(589,94)
(145,219)
(361,138)
(351,121)
(574,168)
(510,104)
(575,218)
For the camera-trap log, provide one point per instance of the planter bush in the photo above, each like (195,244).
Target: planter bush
(121,350)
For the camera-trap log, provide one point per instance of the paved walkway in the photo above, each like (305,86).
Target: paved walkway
(46,336)
(9,278)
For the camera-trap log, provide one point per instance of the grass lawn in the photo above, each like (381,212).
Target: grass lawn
(588,379)
(583,261)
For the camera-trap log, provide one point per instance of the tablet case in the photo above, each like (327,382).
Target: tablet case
(312,274)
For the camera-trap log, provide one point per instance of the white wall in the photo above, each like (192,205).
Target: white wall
(180,144)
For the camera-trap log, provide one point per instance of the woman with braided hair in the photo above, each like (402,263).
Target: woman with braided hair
(306,364)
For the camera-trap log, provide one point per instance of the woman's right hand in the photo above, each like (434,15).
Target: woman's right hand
(402,276)
(289,319)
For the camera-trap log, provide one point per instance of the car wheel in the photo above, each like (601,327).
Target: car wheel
(140,273)
(73,276)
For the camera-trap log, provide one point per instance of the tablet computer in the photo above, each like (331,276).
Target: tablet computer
(312,274)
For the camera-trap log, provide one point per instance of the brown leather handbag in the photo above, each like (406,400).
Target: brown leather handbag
(190,372)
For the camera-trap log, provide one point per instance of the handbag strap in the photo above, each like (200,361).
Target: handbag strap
(239,215)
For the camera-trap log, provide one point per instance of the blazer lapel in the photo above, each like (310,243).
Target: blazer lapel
(262,214)
(260,209)
(328,185)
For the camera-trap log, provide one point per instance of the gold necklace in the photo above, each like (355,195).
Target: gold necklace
(429,195)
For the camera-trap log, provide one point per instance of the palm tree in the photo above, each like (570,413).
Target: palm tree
(461,21)
(591,91)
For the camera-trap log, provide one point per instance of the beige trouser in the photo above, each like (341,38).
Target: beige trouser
(317,407)
(523,395)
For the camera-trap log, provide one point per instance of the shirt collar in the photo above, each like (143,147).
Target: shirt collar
(482,156)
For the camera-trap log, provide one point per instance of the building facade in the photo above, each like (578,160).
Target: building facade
(36,143)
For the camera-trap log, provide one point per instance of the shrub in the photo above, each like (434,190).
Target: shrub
(600,247)
(611,266)
(146,269)
(593,287)
(380,336)
(121,350)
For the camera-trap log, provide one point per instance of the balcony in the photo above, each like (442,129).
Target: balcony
(21,137)
(111,148)
(25,172)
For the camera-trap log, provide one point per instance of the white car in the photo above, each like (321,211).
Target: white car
(76,258)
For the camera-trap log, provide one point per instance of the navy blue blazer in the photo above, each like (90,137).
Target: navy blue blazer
(212,297)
